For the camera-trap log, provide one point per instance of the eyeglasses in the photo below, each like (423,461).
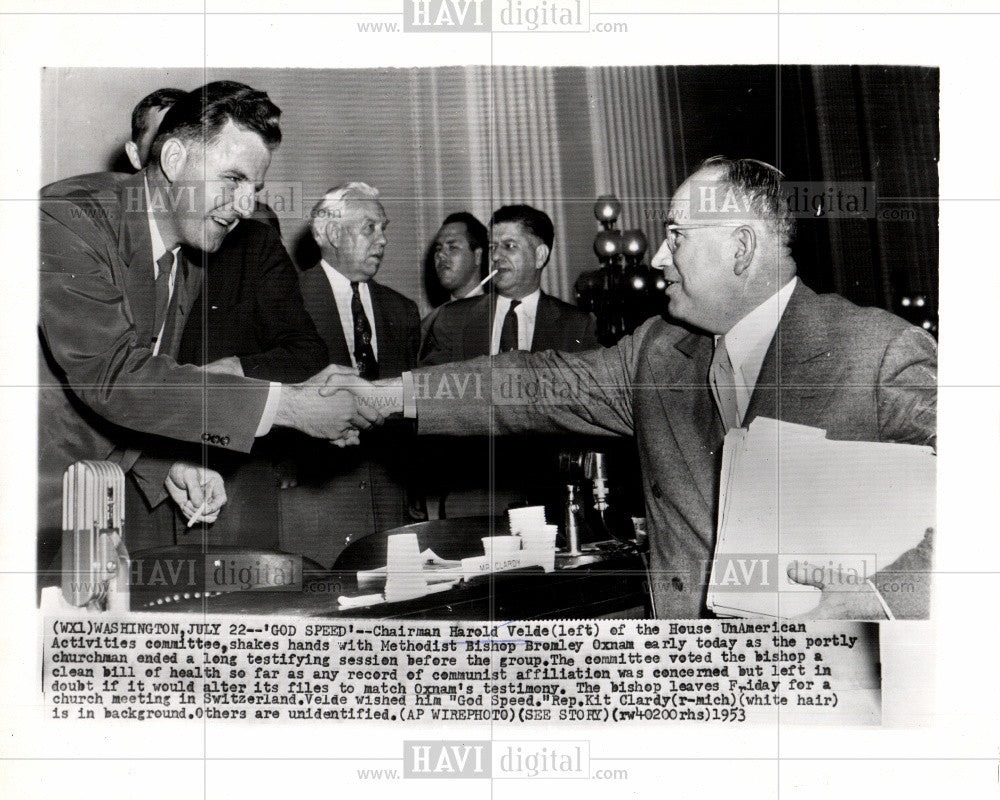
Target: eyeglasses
(670,231)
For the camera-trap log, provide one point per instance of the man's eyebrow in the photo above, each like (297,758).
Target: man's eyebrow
(242,177)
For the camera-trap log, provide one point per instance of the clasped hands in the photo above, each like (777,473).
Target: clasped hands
(337,405)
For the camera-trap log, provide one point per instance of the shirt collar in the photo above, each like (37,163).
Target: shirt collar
(155,239)
(337,278)
(751,336)
(528,304)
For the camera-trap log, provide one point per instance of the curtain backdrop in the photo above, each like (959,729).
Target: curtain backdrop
(445,139)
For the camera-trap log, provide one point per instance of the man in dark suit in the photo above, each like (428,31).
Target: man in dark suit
(759,344)
(341,497)
(115,295)
(459,257)
(515,315)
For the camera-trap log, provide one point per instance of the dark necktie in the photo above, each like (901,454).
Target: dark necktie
(508,332)
(364,355)
(164,265)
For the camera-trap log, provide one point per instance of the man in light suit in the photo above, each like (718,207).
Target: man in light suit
(115,294)
(861,374)
(343,496)
(515,315)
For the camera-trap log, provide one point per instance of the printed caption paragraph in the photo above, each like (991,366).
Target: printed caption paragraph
(726,672)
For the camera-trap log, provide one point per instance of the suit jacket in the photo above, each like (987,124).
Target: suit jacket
(862,374)
(477,477)
(250,306)
(462,329)
(343,494)
(102,392)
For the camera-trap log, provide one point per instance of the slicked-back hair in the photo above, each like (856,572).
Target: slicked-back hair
(475,234)
(534,221)
(161,98)
(333,204)
(760,185)
(199,115)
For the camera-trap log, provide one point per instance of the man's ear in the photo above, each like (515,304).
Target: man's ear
(477,256)
(173,156)
(746,246)
(541,256)
(132,151)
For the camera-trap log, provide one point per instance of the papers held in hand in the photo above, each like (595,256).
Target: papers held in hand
(841,510)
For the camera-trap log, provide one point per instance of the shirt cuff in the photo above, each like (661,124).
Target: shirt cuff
(409,397)
(270,409)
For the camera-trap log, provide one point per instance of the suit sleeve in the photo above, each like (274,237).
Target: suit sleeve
(907,412)
(518,392)
(294,351)
(86,323)
(907,389)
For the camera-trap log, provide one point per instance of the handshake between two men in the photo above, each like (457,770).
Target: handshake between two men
(335,404)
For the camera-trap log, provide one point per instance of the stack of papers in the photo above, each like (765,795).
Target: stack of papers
(840,510)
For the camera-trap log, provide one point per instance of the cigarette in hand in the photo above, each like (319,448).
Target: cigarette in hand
(198,513)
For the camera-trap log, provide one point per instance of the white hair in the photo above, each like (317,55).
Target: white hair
(333,204)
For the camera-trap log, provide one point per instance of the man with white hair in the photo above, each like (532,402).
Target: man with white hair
(377,330)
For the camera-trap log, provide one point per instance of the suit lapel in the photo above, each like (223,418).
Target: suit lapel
(136,252)
(795,382)
(546,324)
(475,340)
(679,379)
(323,308)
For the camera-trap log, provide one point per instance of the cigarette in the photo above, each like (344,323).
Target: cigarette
(198,513)
(485,280)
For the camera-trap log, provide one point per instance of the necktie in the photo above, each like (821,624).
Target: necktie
(364,355)
(508,332)
(165,265)
(724,385)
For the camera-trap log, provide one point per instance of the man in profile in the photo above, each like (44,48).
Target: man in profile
(755,342)
(367,326)
(116,292)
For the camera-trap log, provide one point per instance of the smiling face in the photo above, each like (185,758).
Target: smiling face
(213,186)
(703,288)
(456,263)
(519,256)
(359,239)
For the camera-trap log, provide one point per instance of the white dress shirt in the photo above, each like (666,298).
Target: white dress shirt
(343,294)
(526,311)
(748,340)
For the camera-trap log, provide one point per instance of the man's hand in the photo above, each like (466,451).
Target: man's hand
(335,416)
(192,486)
(383,397)
(841,600)
(226,366)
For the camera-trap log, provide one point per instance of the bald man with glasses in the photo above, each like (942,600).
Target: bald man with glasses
(756,342)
